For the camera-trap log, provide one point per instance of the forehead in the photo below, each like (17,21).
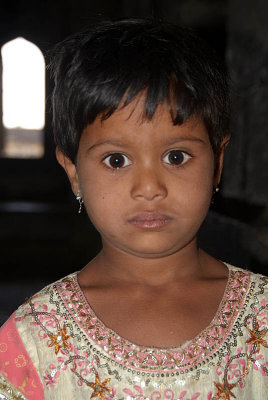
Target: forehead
(128,124)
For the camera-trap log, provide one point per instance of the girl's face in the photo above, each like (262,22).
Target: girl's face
(146,185)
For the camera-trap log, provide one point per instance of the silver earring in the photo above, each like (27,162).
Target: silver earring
(80,200)
(216,190)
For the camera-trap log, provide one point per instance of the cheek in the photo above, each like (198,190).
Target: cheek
(194,191)
(203,185)
(100,199)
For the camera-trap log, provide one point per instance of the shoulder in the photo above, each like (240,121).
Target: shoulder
(256,280)
(260,284)
(253,317)
(251,286)
(41,302)
(21,350)
(38,314)
(243,361)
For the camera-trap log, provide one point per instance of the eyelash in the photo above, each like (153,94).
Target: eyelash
(186,157)
(106,160)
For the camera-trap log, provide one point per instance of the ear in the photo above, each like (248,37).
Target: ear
(70,170)
(219,160)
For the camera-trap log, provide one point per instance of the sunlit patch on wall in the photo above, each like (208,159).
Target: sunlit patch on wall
(23,100)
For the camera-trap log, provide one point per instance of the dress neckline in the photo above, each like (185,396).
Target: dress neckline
(142,347)
(189,352)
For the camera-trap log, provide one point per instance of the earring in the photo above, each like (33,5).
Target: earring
(80,200)
(215,190)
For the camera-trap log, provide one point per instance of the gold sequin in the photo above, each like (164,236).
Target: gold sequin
(224,391)
(257,337)
(59,340)
(100,388)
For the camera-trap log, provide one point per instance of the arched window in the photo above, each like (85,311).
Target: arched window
(23,99)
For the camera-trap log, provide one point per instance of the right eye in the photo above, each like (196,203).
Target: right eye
(116,161)
(176,157)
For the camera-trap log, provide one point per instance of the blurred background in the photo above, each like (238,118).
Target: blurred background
(42,238)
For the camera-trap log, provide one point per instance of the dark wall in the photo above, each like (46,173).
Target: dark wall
(42,237)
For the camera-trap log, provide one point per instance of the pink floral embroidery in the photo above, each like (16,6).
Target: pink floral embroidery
(131,355)
(62,362)
(237,366)
(138,395)
(50,381)
(51,376)
(156,395)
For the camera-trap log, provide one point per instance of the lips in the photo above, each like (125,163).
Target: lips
(150,220)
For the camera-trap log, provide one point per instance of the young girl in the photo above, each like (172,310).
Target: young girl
(141,113)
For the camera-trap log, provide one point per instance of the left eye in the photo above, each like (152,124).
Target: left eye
(176,157)
(116,161)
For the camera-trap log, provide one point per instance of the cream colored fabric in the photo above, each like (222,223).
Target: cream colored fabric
(77,357)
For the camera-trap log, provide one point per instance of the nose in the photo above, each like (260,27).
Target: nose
(148,184)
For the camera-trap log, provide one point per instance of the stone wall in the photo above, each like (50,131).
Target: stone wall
(246,171)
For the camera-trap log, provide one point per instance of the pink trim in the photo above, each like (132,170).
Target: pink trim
(156,360)
(15,363)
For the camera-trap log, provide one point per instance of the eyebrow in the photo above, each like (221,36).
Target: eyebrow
(112,142)
(168,142)
(185,139)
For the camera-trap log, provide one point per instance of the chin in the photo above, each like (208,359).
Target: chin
(150,251)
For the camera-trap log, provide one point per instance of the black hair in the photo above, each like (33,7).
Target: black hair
(113,62)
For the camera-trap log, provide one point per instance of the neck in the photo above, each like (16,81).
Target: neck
(189,263)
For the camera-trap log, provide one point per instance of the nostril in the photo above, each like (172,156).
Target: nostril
(149,187)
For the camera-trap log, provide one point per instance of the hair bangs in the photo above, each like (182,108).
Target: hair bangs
(111,64)
(161,87)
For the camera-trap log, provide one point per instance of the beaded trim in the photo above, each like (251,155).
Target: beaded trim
(188,357)
(8,391)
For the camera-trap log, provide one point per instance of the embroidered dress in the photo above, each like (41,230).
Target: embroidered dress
(54,347)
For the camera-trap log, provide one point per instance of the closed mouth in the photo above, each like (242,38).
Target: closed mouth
(150,220)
